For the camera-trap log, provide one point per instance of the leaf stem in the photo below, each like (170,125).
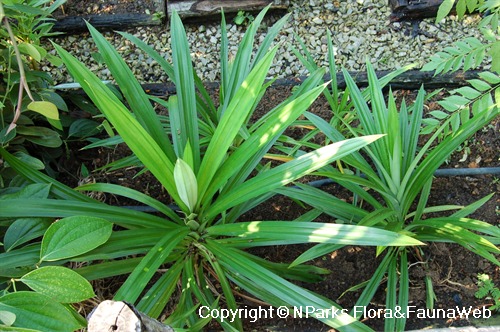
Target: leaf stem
(23,85)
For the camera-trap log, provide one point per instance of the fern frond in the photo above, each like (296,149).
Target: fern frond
(465,54)
(462,103)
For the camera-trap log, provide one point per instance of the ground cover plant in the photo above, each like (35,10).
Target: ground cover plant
(209,160)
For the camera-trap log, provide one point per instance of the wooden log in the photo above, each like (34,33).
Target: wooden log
(410,80)
(112,22)
(187,9)
(413,9)
(212,8)
(123,317)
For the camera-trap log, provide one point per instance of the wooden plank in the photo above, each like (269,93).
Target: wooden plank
(212,8)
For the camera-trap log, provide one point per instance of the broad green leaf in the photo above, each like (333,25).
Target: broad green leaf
(495,55)
(479,85)
(40,135)
(33,162)
(82,128)
(35,190)
(30,50)
(444,9)
(24,230)
(45,108)
(59,283)
(73,236)
(439,114)
(39,312)
(277,232)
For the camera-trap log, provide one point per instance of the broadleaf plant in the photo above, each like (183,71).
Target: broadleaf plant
(210,163)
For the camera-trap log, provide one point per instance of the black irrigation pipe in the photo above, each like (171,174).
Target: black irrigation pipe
(443,172)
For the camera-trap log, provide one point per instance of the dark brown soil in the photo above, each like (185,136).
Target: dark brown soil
(453,269)
(105,7)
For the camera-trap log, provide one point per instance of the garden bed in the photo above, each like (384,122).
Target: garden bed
(453,270)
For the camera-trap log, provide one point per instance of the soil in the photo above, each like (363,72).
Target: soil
(104,7)
(453,270)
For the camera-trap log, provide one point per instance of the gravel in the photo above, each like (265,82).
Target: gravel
(361,31)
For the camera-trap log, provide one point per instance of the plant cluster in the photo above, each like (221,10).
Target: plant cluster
(215,165)
(34,120)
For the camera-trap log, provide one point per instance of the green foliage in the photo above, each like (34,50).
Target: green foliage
(210,161)
(391,182)
(470,52)
(33,250)
(32,114)
(243,18)
(488,290)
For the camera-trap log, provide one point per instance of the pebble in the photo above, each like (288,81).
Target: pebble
(360,29)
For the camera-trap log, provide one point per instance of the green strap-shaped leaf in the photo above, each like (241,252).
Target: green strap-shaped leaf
(59,283)
(154,302)
(58,189)
(73,236)
(278,232)
(132,194)
(240,267)
(137,138)
(142,274)
(242,161)
(288,172)
(133,92)
(39,312)
(186,115)
(231,122)
(18,208)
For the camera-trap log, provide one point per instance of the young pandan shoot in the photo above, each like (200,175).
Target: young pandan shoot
(187,186)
